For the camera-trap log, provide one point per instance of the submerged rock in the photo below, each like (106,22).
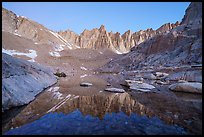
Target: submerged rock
(192,87)
(85,84)
(117,90)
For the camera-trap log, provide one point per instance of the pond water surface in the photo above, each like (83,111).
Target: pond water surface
(67,108)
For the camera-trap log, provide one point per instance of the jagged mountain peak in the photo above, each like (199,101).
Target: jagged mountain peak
(102,28)
(87,39)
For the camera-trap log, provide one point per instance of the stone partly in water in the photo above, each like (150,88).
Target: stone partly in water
(85,84)
(22,81)
(162,83)
(161,74)
(192,76)
(139,86)
(117,90)
(192,87)
(149,76)
(60,74)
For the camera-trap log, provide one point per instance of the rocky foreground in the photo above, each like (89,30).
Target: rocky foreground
(22,81)
(153,79)
(178,52)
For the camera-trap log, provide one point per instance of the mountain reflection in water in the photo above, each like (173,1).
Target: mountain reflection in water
(68,108)
(112,123)
(106,113)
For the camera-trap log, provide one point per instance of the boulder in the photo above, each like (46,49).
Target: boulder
(117,90)
(22,81)
(192,76)
(139,86)
(161,74)
(149,76)
(192,87)
(85,84)
(60,74)
(162,83)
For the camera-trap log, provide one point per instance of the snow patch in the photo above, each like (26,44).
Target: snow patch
(59,48)
(17,34)
(77,46)
(61,39)
(55,92)
(76,97)
(83,68)
(83,76)
(118,52)
(32,53)
(54,54)
(59,104)
(22,16)
(101,52)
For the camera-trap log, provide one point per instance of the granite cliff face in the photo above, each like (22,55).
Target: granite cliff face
(100,38)
(181,45)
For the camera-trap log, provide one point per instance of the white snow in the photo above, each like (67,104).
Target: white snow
(69,47)
(77,47)
(76,97)
(100,91)
(83,76)
(17,34)
(101,52)
(83,68)
(59,48)
(32,53)
(58,36)
(58,105)
(54,54)
(36,43)
(61,39)
(118,52)
(23,17)
(55,92)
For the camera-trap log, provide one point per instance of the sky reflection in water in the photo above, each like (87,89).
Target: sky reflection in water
(112,123)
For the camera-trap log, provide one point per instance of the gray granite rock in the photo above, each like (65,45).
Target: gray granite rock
(192,87)
(117,90)
(22,81)
(85,84)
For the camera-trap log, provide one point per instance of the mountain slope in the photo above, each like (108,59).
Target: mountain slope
(92,39)
(181,46)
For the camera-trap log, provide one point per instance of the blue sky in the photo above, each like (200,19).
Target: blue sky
(116,16)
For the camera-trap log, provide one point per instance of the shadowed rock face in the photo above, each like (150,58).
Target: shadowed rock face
(22,81)
(193,14)
(181,45)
